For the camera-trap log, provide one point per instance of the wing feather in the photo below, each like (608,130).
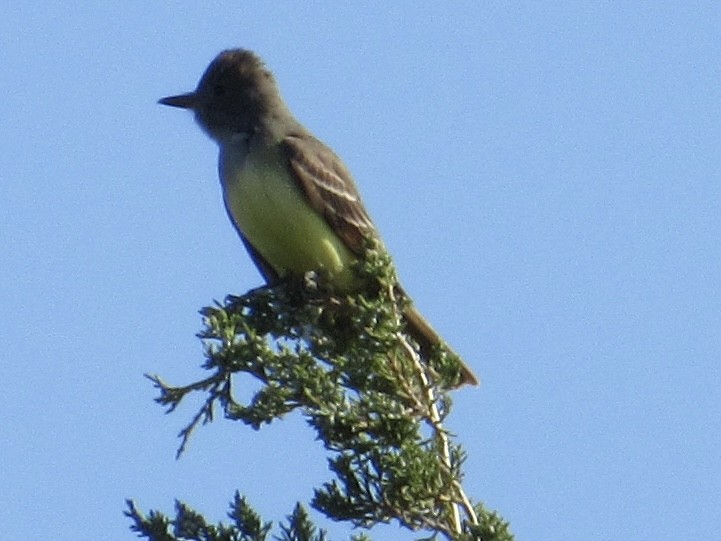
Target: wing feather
(329,189)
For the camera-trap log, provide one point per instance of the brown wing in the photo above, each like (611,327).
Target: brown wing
(329,188)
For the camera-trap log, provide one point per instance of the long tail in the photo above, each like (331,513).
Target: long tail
(427,337)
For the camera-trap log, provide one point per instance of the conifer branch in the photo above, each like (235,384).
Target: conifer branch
(376,403)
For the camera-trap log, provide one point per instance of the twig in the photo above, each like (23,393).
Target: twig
(434,419)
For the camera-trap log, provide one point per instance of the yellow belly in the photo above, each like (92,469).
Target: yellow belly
(272,214)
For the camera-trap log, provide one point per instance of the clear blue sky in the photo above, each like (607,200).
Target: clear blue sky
(547,177)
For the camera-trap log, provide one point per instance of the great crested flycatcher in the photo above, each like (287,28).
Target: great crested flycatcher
(291,199)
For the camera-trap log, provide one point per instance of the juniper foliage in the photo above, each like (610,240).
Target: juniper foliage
(378,407)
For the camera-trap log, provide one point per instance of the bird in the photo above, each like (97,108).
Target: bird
(291,199)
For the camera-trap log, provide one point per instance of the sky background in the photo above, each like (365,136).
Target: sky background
(546,175)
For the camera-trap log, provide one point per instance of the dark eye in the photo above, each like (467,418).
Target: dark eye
(218,90)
